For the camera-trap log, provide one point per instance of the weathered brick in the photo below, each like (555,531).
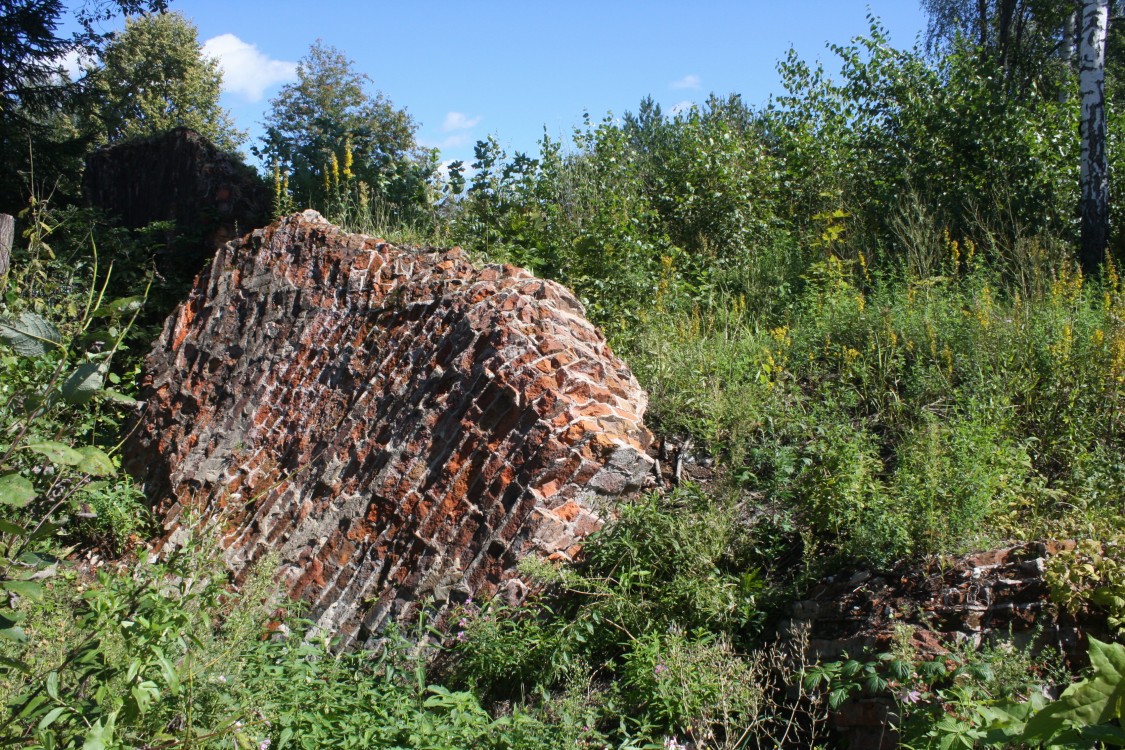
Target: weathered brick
(386,418)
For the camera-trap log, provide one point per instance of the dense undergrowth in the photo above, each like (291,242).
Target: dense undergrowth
(861,302)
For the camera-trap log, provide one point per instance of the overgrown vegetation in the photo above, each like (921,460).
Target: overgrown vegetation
(861,302)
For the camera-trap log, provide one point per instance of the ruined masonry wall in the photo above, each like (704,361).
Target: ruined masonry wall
(399,424)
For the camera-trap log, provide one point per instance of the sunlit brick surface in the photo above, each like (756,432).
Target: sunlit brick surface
(401,425)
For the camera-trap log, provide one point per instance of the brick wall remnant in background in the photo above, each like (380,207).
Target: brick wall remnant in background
(399,424)
(208,196)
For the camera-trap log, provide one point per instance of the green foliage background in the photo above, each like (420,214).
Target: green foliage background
(152,78)
(858,304)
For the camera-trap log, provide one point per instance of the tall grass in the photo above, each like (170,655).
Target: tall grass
(899,414)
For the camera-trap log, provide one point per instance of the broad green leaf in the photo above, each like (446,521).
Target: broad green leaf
(144,695)
(171,676)
(117,397)
(1107,733)
(83,383)
(30,589)
(31,335)
(38,574)
(41,560)
(837,697)
(1108,597)
(46,530)
(32,706)
(118,306)
(7,527)
(53,685)
(874,683)
(1093,701)
(51,716)
(16,491)
(15,664)
(100,734)
(57,453)
(12,633)
(95,462)
(91,487)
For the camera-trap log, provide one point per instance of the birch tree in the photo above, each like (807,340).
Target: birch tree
(1019,36)
(1095,165)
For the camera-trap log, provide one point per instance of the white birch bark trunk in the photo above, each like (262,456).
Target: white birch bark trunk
(1068,50)
(1095,165)
(1069,44)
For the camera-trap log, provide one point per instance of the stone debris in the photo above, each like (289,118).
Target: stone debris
(400,425)
(986,598)
(979,598)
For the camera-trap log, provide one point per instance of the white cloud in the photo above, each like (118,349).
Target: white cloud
(453,141)
(683,106)
(74,63)
(691,81)
(459,121)
(246,69)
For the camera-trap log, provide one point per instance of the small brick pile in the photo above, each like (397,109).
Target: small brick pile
(977,599)
(402,426)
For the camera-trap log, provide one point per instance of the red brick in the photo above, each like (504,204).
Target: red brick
(419,417)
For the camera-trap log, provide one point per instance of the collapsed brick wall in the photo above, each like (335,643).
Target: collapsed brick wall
(977,598)
(984,598)
(398,424)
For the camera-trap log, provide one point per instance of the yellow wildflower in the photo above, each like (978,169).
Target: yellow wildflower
(1117,360)
(348,158)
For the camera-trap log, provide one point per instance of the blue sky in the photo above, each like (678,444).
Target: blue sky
(468,69)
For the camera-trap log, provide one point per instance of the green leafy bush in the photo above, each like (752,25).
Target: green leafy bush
(954,699)
(892,415)
(58,413)
(663,593)
(1091,574)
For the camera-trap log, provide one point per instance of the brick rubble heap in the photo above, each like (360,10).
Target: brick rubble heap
(400,425)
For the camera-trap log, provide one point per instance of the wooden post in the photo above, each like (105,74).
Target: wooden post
(7,235)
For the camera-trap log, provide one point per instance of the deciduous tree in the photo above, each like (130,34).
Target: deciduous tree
(328,111)
(36,99)
(1023,38)
(154,77)
(1095,165)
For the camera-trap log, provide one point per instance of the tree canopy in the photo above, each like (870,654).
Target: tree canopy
(329,116)
(154,77)
(35,97)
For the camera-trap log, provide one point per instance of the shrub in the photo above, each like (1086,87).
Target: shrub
(666,583)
